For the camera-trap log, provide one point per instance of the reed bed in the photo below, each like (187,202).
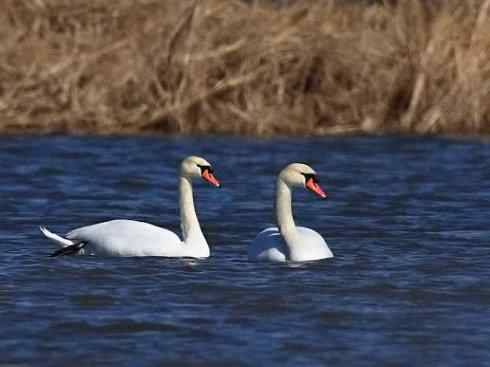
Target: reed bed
(233,67)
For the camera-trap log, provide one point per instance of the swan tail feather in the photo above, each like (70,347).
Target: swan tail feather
(60,241)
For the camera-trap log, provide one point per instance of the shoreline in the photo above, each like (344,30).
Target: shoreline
(459,138)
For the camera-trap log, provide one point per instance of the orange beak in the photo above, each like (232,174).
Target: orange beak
(312,185)
(209,177)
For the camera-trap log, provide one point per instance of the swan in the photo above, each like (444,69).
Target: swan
(122,237)
(288,242)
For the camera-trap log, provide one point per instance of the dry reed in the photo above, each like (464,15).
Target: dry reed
(226,66)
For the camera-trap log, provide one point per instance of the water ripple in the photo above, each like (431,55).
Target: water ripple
(406,219)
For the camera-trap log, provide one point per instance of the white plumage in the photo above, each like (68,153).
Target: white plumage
(132,238)
(288,242)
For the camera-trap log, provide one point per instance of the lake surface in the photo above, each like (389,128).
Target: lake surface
(407,219)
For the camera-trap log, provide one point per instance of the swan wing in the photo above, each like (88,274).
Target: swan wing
(312,246)
(267,246)
(128,238)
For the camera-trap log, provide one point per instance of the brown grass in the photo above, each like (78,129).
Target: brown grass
(222,66)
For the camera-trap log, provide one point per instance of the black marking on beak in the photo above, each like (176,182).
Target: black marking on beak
(309,176)
(69,250)
(205,168)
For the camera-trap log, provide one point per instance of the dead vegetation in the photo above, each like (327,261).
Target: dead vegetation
(224,66)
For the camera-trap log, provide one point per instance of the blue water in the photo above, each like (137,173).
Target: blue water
(407,220)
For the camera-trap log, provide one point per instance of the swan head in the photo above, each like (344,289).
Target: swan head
(302,175)
(194,166)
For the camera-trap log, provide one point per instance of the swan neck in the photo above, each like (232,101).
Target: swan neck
(284,212)
(188,217)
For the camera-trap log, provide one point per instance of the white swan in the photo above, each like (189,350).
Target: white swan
(288,242)
(132,238)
